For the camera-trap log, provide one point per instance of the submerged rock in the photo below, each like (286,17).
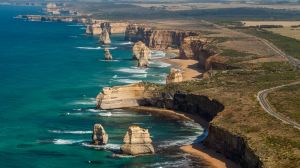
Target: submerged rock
(104,37)
(174,76)
(99,135)
(138,47)
(107,54)
(137,141)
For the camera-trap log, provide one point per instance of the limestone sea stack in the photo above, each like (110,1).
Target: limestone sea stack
(123,96)
(104,37)
(143,60)
(138,47)
(99,135)
(137,141)
(175,76)
(107,54)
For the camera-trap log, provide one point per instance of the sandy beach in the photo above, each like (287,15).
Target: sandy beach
(189,67)
(212,158)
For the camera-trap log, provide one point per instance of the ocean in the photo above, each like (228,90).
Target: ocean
(50,74)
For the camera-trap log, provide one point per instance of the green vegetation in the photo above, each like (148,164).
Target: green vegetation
(287,44)
(287,101)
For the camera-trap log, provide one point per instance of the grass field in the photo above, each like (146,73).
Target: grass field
(286,44)
(287,101)
(287,31)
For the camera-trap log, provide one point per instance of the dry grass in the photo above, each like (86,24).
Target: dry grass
(287,31)
(287,101)
(280,23)
(193,6)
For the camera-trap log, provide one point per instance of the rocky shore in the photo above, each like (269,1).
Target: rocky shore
(192,47)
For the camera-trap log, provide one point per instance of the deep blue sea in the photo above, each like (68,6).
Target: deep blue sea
(50,74)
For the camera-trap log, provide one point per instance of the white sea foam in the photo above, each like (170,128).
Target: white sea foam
(200,134)
(107,146)
(70,132)
(65,141)
(133,70)
(128,81)
(157,54)
(126,43)
(89,48)
(139,76)
(91,101)
(94,110)
(115,76)
(159,64)
(108,114)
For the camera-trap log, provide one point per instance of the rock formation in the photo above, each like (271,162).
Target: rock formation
(195,47)
(107,54)
(153,38)
(104,37)
(143,60)
(99,135)
(137,50)
(123,96)
(174,76)
(137,142)
(94,29)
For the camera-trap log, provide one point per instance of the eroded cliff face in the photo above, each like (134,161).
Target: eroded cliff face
(196,47)
(231,146)
(123,96)
(157,39)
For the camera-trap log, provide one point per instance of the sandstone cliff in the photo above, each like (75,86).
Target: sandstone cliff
(94,29)
(136,50)
(99,135)
(158,39)
(232,146)
(196,47)
(174,76)
(122,96)
(137,142)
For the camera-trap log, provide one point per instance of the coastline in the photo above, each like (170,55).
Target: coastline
(196,150)
(189,68)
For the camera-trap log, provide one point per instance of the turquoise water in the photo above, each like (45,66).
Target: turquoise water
(50,75)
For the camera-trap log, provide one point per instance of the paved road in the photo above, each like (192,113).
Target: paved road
(295,62)
(261,96)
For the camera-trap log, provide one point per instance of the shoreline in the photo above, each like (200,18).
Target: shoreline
(196,150)
(189,68)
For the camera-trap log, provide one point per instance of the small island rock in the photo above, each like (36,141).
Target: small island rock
(99,135)
(137,142)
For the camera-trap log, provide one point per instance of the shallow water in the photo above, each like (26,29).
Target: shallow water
(50,75)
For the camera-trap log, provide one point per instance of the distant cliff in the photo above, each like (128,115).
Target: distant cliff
(158,39)
(190,44)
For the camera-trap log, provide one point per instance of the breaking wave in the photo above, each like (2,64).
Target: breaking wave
(70,132)
(107,146)
(128,81)
(133,70)
(89,48)
(66,141)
